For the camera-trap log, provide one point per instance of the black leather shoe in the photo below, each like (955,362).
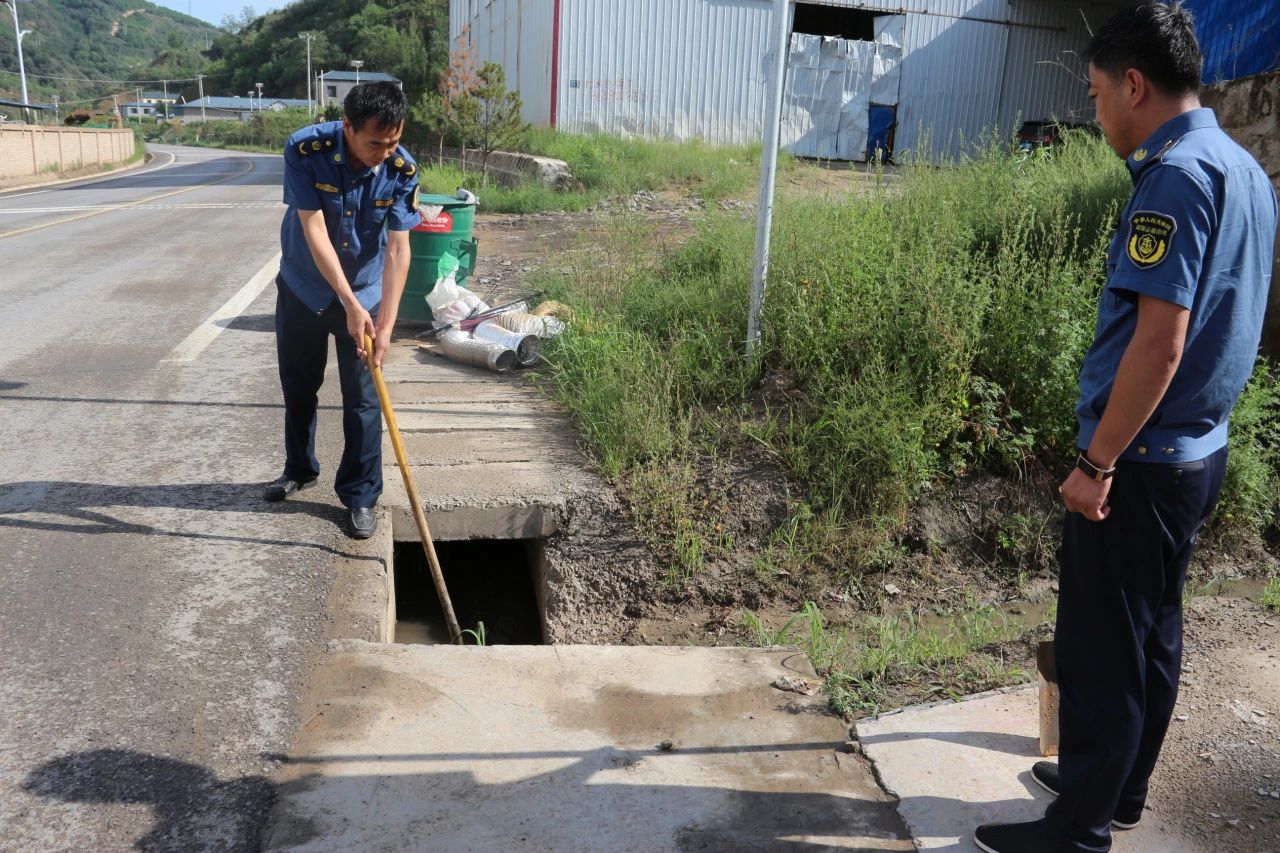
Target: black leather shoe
(278,490)
(362,522)
(1045,774)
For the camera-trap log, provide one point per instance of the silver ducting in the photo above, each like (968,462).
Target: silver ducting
(461,347)
(527,347)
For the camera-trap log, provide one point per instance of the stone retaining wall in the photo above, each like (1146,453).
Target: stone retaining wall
(32,150)
(1249,110)
(511,168)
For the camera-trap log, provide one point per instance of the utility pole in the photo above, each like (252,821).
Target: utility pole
(57,115)
(22,68)
(258,86)
(139,107)
(310,105)
(769,168)
(356,63)
(200,82)
(166,98)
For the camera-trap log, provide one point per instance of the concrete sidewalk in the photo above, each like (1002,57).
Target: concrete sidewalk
(574,748)
(956,765)
(492,458)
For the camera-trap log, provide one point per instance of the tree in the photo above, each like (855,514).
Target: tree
(497,117)
(458,107)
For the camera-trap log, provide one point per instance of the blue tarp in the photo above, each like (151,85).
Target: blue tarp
(1238,37)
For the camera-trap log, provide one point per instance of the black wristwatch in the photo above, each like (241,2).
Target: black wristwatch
(1094,472)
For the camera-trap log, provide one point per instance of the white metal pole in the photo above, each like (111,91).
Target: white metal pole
(310,106)
(769,168)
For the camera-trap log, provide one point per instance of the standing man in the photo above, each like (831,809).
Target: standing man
(352,194)
(1177,336)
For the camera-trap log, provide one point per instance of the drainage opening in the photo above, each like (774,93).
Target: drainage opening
(494,581)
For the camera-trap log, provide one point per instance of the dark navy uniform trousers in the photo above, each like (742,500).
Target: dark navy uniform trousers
(302,347)
(1119,640)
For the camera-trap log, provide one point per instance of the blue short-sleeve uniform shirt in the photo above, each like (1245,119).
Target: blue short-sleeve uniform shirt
(359,208)
(1197,231)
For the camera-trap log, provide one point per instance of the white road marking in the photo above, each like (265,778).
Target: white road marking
(177,206)
(195,343)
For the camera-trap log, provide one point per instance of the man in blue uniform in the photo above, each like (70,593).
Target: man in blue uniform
(352,195)
(1177,336)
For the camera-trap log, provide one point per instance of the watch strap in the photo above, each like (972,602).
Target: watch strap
(1094,472)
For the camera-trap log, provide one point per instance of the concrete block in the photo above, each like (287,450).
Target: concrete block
(574,748)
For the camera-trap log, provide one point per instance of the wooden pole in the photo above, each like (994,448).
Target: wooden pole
(455,632)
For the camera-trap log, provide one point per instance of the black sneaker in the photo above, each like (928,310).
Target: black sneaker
(281,488)
(1045,774)
(1030,837)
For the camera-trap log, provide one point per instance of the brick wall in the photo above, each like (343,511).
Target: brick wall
(1249,110)
(33,150)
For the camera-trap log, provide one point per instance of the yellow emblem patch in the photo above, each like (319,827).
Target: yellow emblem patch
(383,202)
(1139,155)
(337,158)
(398,163)
(315,146)
(327,188)
(1150,235)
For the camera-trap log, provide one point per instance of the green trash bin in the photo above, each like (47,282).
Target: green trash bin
(437,245)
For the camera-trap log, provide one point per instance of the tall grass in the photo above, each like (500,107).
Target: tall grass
(607,167)
(915,330)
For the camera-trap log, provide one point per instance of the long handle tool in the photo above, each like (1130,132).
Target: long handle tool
(455,632)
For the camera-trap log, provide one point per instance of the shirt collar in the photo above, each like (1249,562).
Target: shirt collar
(1166,136)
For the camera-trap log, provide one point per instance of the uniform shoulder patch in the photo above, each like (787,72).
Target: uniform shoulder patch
(1150,237)
(403,166)
(306,147)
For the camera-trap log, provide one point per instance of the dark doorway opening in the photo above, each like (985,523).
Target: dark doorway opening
(819,20)
(494,581)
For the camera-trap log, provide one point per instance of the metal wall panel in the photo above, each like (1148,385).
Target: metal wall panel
(676,69)
(516,34)
(951,79)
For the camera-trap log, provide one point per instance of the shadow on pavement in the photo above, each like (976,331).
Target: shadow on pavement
(193,809)
(266,171)
(84,502)
(115,401)
(1002,742)
(250,323)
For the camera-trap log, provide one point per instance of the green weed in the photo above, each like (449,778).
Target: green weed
(478,634)
(1271,595)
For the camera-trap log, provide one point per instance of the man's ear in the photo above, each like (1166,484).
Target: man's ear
(1136,87)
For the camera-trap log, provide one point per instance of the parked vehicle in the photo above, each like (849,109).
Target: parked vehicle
(1045,133)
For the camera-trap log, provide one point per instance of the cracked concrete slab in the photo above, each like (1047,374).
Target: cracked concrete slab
(957,765)
(574,748)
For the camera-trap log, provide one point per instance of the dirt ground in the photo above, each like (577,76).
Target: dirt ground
(1220,773)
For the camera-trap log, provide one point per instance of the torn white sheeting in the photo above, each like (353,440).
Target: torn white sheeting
(831,84)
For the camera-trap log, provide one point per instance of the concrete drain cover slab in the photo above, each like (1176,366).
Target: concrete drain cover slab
(574,748)
(957,765)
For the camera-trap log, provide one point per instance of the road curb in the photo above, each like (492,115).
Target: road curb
(147,158)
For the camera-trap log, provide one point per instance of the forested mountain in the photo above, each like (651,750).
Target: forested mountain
(407,38)
(72,41)
(82,49)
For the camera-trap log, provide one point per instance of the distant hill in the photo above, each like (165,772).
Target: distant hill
(99,40)
(406,38)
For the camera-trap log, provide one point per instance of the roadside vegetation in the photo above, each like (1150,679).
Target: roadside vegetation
(919,334)
(606,167)
(265,133)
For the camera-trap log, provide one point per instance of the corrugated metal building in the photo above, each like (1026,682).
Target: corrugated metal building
(1238,38)
(941,72)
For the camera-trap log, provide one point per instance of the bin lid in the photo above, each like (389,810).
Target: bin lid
(445,201)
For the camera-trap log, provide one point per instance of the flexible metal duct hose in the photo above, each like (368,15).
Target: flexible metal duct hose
(528,324)
(528,348)
(461,347)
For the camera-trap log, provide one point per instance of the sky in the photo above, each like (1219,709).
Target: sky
(214,11)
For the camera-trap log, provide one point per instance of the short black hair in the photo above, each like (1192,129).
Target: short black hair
(382,103)
(1156,38)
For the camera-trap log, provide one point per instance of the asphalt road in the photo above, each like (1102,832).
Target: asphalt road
(157,618)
